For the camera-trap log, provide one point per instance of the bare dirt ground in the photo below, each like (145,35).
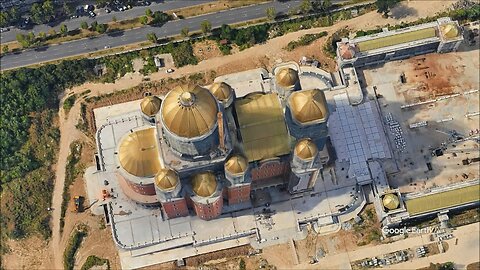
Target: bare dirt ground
(32,253)
(206,49)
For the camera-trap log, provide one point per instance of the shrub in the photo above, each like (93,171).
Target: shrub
(69,102)
(304,40)
(72,247)
(93,260)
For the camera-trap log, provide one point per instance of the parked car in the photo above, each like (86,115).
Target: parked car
(107,10)
(170,70)
(4,29)
(92,14)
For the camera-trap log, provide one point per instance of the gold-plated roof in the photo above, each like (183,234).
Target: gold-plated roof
(305,149)
(449,30)
(189,111)
(262,126)
(221,91)
(138,153)
(308,106)
(390,201)
(286,77)
(150,105)
(204,184)
(236,164)
(166,179)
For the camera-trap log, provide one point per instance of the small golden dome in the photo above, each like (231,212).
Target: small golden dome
(449,30)
(221,91)
(166,179)
(390,201)
(189,111)
(286,77)
(236,164)
(305,149)
(150,105)
(308,106)
(204,184)
(138,153)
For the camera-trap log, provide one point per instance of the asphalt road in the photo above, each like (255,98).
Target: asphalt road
(137,35)
(103,17)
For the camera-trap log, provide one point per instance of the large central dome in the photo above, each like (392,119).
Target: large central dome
(138,153)
(189,111)
(308,106)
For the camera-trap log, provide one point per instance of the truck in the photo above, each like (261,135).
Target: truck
(78,200)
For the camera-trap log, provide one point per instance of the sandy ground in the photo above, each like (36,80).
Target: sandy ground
(31,254)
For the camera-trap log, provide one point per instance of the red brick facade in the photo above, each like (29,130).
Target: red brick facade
(270,169)
(210,210)
(148,189)
(238,194)
(175,208)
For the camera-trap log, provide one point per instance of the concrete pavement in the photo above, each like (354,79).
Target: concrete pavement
(103,17)
(136,35)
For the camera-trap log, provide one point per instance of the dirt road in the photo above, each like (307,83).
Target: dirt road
(69,133)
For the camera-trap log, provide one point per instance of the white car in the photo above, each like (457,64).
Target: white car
(170,70)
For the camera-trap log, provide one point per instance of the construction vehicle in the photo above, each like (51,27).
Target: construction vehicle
(78,200)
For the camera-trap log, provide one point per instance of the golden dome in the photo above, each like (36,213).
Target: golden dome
(166,179)
(236,164)
(390,201)
(138,153)
(449,30)
(189,111)
(286,77)
(307,106)
(305,149)
(221,91)
(204,184)
(150,105)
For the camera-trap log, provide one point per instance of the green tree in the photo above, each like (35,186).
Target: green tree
(144,20)
(148,12)
(94,25)
(322,5)
(67,8)
(160,18)
(63,30)
(152,37)
(42,36)
(114,19)
(5,49)
(384,6)
(306,6)
(242,265)
(271,13)
(226,32)
(206,27)
(52,32)
(101,28)
(48,9)
(37,14)
(185,32)
(84,25)
(4,18)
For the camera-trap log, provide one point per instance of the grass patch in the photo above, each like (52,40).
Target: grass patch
(72,169)
(304,40)
(72,247)
(93,260)
(368,230)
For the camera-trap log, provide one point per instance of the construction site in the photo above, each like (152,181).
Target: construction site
(430,106)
